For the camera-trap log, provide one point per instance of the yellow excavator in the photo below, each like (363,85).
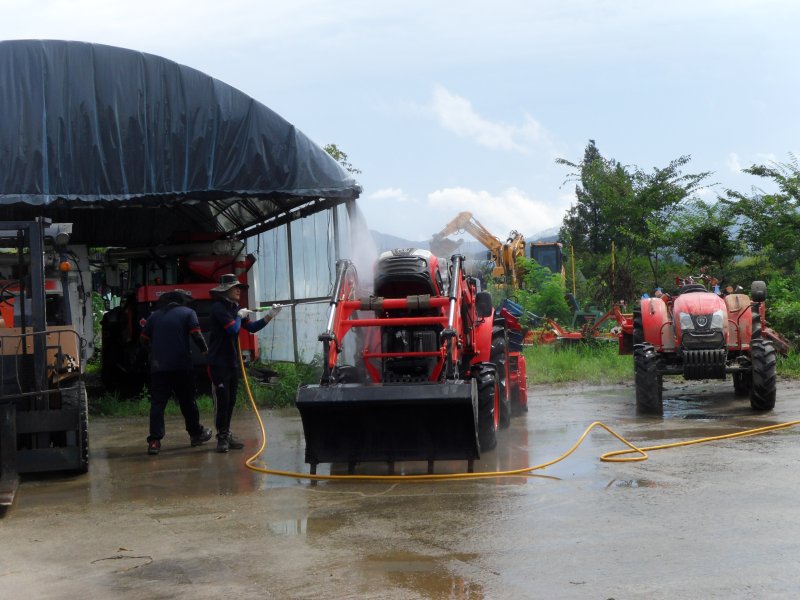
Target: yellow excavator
(502,254)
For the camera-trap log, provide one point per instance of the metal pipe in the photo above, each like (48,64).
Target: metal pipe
(456,260)
(341,269)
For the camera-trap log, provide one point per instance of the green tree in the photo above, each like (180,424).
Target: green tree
(660,198)
(340,156)
(543,294)
(706,238)
(770,223)
(589,225)
(629,206)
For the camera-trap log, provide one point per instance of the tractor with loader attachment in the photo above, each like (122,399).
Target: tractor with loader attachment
(433,375)
(701,335)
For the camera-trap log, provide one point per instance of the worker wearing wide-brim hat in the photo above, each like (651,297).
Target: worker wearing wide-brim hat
(227,318)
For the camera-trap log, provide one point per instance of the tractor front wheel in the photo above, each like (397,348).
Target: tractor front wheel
(762,391)
(499,357)
(486,377)
(76,397)
(648,380)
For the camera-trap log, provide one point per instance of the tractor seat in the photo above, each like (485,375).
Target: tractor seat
(692,287)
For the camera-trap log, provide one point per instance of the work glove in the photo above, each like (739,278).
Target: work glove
(273,312)
(243,313)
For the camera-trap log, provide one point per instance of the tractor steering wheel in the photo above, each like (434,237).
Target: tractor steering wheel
(6,295)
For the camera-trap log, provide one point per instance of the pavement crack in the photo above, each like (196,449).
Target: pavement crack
(147,558)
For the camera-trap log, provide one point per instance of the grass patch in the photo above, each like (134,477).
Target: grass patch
(278,394)
(546,364)
(789,365)
(591,364)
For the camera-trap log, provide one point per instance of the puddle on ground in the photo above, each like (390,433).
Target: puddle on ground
(426,576)
(632,483)
(289,528)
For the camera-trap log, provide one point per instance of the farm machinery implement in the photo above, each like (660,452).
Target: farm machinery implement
(434,375)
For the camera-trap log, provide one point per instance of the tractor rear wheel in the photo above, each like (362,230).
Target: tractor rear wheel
(638,326)
(762,391)
(486,378)
(649,398)
(499,357)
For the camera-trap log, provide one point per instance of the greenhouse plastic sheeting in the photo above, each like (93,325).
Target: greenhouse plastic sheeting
(137,150)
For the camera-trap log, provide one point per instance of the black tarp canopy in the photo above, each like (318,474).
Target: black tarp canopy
(136,150)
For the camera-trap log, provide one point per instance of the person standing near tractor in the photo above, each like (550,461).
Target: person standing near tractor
(166,335)
(227,318)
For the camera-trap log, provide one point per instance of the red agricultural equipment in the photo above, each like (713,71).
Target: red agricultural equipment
(592,329)
(702,335)
(140,276)
(433,378)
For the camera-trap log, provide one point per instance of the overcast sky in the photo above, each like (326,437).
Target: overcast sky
(452,106)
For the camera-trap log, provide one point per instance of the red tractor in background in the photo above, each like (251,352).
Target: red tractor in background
(139,277)
(702,335)
(434,377)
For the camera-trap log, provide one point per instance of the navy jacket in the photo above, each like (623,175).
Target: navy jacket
(223,333)
(167,332)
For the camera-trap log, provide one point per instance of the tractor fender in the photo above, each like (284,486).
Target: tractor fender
(740,320)
(483,340)
(657,324)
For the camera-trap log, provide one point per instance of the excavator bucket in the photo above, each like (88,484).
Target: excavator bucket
(351,423)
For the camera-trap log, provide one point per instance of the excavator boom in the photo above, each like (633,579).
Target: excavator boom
(503,254)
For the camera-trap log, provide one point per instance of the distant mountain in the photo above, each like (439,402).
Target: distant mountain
(385,241)
(546,235)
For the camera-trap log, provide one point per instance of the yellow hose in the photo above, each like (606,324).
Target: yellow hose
(614,456)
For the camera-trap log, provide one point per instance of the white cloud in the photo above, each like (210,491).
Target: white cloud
(511,210)
(456,114)
(392,211)
(391,194)
(733,162)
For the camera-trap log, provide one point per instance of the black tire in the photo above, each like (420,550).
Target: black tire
(742,382)
(758,291)
(638,326)
(649,398)
(499,357)
(755,331)
(75,397)
(762,392)
(111,344)
(485,376)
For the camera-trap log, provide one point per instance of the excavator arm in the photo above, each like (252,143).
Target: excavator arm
(504,255)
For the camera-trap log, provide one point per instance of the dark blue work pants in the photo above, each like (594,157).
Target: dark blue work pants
(164,384)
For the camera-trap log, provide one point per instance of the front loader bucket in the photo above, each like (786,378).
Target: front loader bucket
(353,423)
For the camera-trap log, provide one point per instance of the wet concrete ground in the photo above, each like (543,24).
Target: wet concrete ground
(720,520)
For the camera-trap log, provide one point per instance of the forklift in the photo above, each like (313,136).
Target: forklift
(44,424)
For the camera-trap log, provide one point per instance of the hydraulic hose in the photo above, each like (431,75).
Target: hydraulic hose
(640,453)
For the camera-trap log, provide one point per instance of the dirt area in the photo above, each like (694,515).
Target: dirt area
(718,520)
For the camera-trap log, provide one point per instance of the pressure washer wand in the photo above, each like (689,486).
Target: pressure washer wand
(267,305)
(264,306)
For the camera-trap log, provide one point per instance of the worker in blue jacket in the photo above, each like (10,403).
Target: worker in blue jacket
(166,335)
(227,318)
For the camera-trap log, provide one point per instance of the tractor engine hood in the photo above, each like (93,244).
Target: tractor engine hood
(703,315)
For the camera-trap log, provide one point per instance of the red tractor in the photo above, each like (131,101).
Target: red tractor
(433,375)
(701,335)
